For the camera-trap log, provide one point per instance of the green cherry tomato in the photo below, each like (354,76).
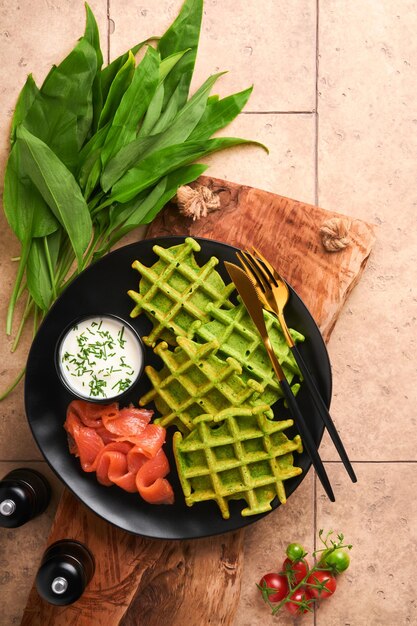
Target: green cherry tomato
(337,560)
(295,552)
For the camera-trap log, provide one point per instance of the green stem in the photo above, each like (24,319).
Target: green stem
(95,241)
(19,276)
(67,259)
(50,268)
(21,290)
(26,313)
(37,320)
(93,203)
(13,385)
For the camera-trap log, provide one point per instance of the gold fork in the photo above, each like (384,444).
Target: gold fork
(274,296)
(273,293)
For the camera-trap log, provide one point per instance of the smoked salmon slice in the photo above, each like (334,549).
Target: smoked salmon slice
(122,447)
(89,446)
(150,481)
(127,422)
(113,468)
(91,414)
(150,440)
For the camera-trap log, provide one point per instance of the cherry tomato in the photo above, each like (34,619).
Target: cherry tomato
(295,552)
(301,595)
(337,560)
(296,570)
(275,581)
(317,578)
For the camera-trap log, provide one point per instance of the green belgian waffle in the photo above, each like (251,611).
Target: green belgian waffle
(247,457)
(238,338)
(193,381)
(175,291)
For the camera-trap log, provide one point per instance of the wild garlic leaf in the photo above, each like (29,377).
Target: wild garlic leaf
(38,274)
(89,155)
(182,176)
(125,159)
(108,73)
(162,162)
(92,35)
(150,169)
(122,214)
(58,188)
(118,87)
(93,177)
(169,63)
(155,106)
(179,131)
(183,33)
(27,214)
(187,118)
(62,113)
(153,113)
(171,109)
(142,210)
(26,211)
(25,100)
(133,105)
(219,113)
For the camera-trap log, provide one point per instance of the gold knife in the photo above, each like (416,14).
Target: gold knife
(250,299)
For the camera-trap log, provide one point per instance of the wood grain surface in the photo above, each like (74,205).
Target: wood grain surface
(142,582)
(287,232)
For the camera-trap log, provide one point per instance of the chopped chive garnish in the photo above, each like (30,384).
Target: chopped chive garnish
(96,360)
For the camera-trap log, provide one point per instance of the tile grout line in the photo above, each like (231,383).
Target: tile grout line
(316,117)
(314,530)
(278,112)
(108,32)
(316,201)
(375,462)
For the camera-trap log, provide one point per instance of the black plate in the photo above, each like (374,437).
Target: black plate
(100,289)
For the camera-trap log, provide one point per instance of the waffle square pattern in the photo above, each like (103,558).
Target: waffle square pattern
(239,455)
(194,381)
(175,291)
(239,339)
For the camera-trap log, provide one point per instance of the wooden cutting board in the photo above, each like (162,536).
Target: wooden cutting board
(142,582)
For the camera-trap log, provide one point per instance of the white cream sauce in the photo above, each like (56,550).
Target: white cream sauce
(100,358)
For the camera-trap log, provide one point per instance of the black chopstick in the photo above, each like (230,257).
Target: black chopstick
(306,437)
(323,411)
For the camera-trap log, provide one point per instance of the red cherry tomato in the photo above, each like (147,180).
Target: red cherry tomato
(318,578)
(296,570)
(277,582)
(301,595)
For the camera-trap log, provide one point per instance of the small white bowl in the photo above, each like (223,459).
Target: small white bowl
(99,358)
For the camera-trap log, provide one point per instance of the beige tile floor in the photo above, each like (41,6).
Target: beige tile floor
(335,100)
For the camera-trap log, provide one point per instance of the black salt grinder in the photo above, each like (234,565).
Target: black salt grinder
(65,571)
(24,494)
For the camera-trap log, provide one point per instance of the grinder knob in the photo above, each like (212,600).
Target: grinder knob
(24,494)
(65,571)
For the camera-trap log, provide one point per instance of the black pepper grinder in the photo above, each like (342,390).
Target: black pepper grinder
(66,568)
(24,494)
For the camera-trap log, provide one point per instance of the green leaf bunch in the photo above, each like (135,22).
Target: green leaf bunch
(98,150)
